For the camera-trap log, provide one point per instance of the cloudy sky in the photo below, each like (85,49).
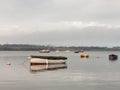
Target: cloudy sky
(60,22)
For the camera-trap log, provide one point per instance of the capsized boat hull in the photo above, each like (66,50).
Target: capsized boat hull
(34,60)
(46,61)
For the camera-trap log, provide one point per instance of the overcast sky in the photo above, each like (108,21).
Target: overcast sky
(60,22)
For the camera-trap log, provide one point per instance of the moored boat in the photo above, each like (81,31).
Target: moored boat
(78,51)
(34,60)
(84,56)
(113,57)
(44,51)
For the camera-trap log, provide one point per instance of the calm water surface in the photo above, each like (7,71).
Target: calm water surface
(94,73)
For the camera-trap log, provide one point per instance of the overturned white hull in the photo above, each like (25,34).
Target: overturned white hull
(45,61)
(37,60)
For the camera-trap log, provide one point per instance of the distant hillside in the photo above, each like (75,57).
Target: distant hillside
(25,47)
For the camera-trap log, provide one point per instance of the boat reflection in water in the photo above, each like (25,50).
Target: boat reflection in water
(38,68)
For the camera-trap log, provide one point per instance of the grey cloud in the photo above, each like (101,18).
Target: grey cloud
(88,37)
(34,15)
(59,10)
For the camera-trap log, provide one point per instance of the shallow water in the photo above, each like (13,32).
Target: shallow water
(94,73)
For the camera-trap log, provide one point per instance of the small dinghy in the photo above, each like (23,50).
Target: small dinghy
(113,57)
(34,60)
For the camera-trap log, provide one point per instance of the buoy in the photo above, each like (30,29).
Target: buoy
(8,63)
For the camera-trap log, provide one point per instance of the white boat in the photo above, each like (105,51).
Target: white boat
(47,60)
(37,68)
(44,51)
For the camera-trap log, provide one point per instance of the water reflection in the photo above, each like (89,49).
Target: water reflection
(113,60)
(38,68)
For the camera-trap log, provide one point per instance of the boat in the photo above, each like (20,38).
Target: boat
(78,51)
(44,51)
(84,56)
(38,68)
(113,57)
(34,60)
(57,51)
(67,51)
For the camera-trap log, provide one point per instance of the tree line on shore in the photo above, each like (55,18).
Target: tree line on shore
(27,47)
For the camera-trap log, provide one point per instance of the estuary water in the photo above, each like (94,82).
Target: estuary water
(94,73)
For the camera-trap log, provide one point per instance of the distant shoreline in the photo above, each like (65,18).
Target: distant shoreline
(24,47)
